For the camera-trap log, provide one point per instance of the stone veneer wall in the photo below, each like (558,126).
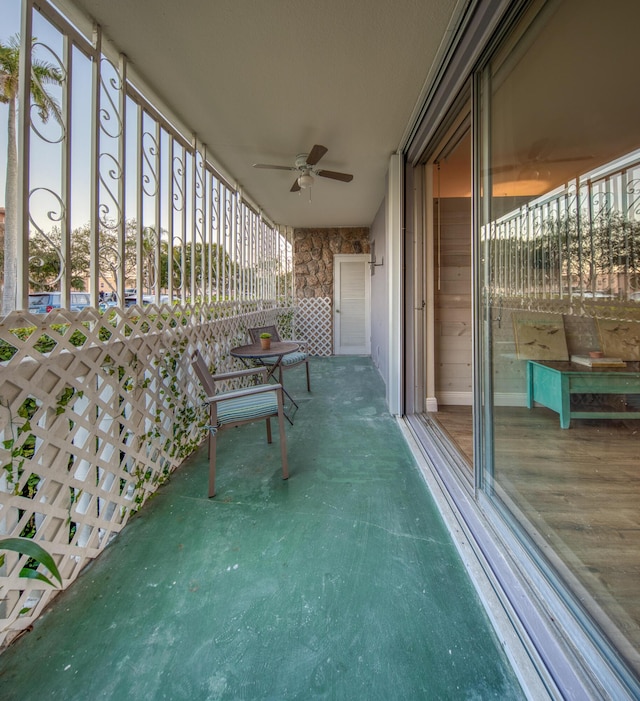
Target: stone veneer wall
(313,251)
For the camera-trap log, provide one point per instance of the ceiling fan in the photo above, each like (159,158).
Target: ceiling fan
(305,163)
(535,163)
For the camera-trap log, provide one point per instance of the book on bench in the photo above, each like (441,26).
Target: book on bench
(598,362)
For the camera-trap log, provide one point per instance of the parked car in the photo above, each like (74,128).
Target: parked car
(597,295)
(108,304)
(130,300)
(43,302)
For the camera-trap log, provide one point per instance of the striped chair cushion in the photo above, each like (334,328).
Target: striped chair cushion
(289,359)
(251,407)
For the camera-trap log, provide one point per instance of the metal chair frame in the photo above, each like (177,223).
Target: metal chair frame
(215,398)
(254,334)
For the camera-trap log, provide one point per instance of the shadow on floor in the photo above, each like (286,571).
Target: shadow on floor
(340,583)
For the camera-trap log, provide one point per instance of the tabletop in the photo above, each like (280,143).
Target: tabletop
(565,366)
(255,350)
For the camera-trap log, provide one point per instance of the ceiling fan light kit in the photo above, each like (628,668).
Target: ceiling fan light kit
(305,163)
(305,180)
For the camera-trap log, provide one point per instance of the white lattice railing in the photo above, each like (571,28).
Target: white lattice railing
(95,413)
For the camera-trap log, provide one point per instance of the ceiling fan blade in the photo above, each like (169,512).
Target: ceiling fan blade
(295,187)
(344,177)
(267,165)
(317,152)
(537,162)
(566,160)
(505,168)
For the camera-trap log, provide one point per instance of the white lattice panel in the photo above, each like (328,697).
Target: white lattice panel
(95,413)
(314,324)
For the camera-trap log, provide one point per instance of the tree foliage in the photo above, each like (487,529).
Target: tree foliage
(587,254)
(45,260)
(607,245)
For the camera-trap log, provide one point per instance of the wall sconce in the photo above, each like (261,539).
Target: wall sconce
(372,263)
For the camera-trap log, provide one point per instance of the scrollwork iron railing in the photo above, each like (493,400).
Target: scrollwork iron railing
(124,176)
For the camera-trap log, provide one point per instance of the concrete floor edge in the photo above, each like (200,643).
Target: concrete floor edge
(535,683)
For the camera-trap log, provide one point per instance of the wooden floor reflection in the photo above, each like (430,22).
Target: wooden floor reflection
(577,490)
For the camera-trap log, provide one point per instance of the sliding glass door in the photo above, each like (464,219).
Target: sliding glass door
(558,143)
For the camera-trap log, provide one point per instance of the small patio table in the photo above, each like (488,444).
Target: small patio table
(278,350)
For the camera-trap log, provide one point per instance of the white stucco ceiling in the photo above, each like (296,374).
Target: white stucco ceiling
(265,80)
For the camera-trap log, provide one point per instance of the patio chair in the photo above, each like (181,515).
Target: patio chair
(231,408)
(291,360)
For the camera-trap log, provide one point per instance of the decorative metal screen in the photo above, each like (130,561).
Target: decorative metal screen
(314,324)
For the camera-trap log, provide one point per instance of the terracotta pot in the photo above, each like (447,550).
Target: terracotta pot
(265,343)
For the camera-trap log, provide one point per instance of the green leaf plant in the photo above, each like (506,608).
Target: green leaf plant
(26,546)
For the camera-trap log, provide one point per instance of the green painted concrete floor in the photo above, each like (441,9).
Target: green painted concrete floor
(340,583)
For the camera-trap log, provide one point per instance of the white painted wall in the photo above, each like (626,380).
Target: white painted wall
(380,295)
(394,266)
(386,286)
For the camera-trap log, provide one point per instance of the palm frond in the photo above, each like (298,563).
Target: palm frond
(42,73)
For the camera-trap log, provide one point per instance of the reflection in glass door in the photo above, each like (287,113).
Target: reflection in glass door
(559,240)
(452,322)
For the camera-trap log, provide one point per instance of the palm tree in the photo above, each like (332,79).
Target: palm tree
(42,74)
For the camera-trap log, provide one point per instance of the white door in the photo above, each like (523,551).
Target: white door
(351,299)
